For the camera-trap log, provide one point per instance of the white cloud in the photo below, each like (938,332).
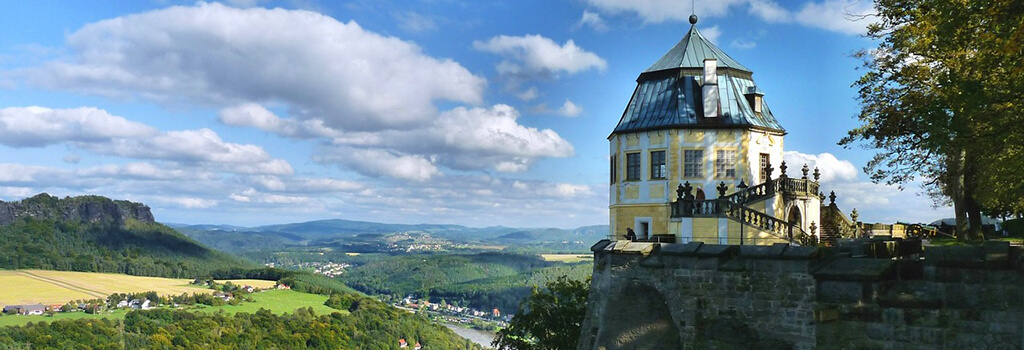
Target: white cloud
(186,202)
(769,11)
(832,168)
(143,171)
(592,20)
(712,33)
(202,146)
(535,55)
(528,94)
(254,115)
(462,138)
(844,16)
(569,109)
(379,162)
(318,67)
(40,126)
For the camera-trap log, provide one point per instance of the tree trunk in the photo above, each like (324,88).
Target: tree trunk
(970,186)
(954,186)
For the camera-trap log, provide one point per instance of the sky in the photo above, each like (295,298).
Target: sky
(469,112)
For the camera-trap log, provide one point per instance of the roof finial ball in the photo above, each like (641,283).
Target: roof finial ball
(693,19)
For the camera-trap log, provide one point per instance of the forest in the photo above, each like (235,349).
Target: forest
(369,325)
(481,281)
(135,248)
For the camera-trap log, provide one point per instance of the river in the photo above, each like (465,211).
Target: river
(477,336)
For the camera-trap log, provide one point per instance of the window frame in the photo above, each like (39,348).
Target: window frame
(630,167)
(719,162)
(663,171)
(699,164)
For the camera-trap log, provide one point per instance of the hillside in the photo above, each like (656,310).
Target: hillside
(482,281)
(97,234)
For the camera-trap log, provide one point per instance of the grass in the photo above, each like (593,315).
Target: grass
(566,258)
(53,287)
(277,301)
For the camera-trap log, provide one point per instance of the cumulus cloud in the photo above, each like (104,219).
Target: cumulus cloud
(535,55)
(844,16)
(195,146)
(257,116)
(769,11)
(712,33)
(318,67)
(832,168)
(379,162)
(461,138)
(40,126)
(528,94)
(592,20)
(569,109)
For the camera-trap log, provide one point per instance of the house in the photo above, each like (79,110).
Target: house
(55,307)
(248,289)
(222,295)
(693,153)
(418,346)
(496,313)
(122,304)
(402,343)
(282,286)
(36,309)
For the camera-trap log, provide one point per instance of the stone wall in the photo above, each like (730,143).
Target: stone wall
(702,296)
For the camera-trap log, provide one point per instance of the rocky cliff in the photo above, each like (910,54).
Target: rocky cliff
(85,209)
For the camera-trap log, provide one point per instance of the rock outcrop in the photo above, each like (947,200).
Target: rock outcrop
(84,209)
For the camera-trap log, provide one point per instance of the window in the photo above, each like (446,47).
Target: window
(613,169)
(632,166)
(693,163)
(765,160)
(725,164)
(657,165)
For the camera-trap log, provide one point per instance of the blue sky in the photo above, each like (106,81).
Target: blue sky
(441,111)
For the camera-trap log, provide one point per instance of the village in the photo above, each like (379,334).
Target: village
(223,294)
(449,313)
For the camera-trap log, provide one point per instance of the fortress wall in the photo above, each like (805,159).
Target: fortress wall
(701,296)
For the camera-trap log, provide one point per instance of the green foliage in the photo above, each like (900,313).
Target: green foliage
(372,327)
(482,281)
(549,319)
(138,248)
(941,100)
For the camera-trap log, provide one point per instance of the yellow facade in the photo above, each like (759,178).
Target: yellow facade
(651,198)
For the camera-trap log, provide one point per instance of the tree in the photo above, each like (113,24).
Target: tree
(941,100)
(548,319)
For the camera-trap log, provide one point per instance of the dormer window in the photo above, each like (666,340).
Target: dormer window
(710,88)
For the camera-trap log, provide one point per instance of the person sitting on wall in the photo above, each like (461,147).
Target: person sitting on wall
(630,235)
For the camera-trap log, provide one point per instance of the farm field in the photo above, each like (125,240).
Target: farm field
(52,287)
(277,301)
(566,258)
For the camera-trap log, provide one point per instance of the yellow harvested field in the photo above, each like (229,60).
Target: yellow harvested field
(52,287)
(566,258)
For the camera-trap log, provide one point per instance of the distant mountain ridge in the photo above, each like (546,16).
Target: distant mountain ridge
(237,239)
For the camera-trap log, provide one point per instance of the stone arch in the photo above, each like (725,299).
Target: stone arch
(795,219)
(638,317)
